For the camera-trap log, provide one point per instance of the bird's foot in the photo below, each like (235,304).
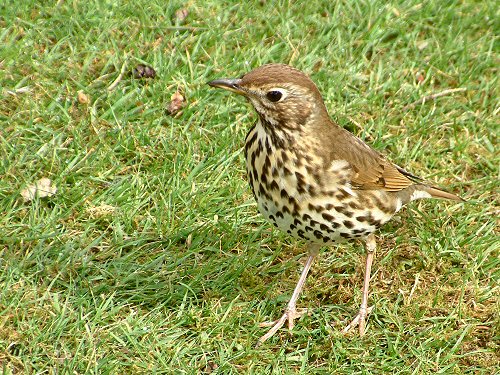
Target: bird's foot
(359,320)
(291,313)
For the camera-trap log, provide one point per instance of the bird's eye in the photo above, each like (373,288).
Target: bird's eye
(274,95)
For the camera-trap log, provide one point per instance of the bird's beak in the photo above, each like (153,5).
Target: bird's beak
(228,84)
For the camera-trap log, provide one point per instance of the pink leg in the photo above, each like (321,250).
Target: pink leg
(291,312)
(364,310)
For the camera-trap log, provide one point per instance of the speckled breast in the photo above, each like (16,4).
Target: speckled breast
(308,201)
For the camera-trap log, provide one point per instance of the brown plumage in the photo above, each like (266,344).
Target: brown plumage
(313,179)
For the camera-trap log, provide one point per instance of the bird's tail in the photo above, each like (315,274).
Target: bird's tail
(438,193)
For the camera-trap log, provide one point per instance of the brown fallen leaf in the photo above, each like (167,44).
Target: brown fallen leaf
(176,103)
(143,71)
(83,98)
(42,188)
(420,77)
(421,45)
(181,14)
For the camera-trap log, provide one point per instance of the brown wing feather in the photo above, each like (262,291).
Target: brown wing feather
(370,169)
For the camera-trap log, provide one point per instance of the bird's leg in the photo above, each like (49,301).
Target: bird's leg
(364,310)
(291,312)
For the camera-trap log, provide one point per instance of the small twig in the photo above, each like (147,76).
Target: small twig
(415,283)
(433,96)
(20,90)
(179,28)
(120,76)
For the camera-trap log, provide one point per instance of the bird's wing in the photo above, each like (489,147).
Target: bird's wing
(370,170)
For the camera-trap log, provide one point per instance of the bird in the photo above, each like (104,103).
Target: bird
(315,180)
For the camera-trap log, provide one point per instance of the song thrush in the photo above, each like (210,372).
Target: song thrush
(313,179)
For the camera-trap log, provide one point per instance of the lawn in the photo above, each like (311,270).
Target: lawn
(150,255)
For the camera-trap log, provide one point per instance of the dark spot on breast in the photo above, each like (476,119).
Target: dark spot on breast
(318,234)
(300,233)
(323,227)
(267,164)
(301,188)
(292,200)
(345,235)
(264,193)
(297,222)
(306,217)
(292,227)
(313,223)
(259,149)
(263,177)
(285,209)
(254,173)
(250,179)
(300,178)
(312,207)
(348,224)
(251,141)
(279,214)
(361,219)
(310,169)
(274,185)
(268,146)
(284,156)
(342,195)
(340,209)
(327,217)
(311,190)
(252,160)
(354,205)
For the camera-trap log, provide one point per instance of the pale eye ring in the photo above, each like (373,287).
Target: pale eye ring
(276,95)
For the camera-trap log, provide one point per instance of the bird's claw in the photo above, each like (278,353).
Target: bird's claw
(359,320)
(290,314)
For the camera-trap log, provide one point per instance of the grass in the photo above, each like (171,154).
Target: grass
(152,258)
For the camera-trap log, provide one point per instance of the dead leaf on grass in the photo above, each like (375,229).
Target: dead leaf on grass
(420,77)
(143,71)
(42,188)
(181,14)
(177,102)
(83,98)
(422,45)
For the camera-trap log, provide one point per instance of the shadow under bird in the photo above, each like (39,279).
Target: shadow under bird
(315,180)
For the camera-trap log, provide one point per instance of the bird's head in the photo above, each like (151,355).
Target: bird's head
(284,97)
